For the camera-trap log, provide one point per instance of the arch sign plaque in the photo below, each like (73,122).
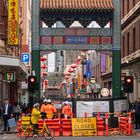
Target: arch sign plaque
(75,39)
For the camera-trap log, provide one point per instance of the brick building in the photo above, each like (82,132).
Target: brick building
(130,41)
(130,49)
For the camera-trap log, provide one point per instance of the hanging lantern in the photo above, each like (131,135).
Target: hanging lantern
(46,82)
(44,66)
(43,58)
(44,73)
(73,66)
(66,77)
(70,70)
(67,74)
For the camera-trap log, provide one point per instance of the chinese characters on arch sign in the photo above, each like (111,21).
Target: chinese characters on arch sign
(13,18)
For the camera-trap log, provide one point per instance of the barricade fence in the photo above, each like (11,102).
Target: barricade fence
(124,121)
(63,126)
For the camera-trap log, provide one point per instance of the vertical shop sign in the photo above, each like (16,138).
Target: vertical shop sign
(13,20)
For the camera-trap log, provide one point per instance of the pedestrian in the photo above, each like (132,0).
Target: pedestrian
(35,116)
(137,114)
(50,110)
(16,111)
(24,109)
(7,113)
(67,111)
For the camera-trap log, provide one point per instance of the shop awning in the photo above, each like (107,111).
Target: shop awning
(15,65)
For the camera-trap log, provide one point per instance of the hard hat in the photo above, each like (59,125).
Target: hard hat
(49,101)
(36,104)
(66,102)
(45,100)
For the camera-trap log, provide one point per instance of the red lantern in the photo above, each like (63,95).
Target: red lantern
(70,70)
(44,73)
(43,58)
(73,66)
(44,66)
(67,74)
(66,77)
(46,82)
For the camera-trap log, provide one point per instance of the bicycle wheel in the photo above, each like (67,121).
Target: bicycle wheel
(49,134)
(25,133)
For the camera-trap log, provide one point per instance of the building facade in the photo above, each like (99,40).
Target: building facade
(130,42)
(10,64)
(130,49)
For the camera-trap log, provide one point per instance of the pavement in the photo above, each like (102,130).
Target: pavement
(14,137)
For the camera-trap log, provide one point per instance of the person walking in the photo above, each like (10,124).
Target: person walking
(137,114)
(16,111)
(67,111)
(7,113)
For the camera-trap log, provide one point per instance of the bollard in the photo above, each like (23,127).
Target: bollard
(85,114)
(129,123)
(119,115)
(106,123)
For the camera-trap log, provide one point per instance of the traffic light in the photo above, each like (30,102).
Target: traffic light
(32,83)
(128,84)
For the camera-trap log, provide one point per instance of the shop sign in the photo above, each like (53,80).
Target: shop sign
(13,19)
(10,76)
(84,127)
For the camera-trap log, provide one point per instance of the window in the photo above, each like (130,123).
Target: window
(134,3)
(134,39)
(127,6)
(123,47)
(123,8)
(61,53)
(128,51)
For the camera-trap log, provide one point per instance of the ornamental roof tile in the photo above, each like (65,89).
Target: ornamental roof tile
(76,4)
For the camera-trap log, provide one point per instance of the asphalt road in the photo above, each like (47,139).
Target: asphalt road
(14,137)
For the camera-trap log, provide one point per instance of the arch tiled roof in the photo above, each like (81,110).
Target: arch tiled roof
(76,4)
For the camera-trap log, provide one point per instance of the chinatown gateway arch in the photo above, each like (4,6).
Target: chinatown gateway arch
(84,11)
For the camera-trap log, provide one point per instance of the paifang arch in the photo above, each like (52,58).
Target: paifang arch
(84,11)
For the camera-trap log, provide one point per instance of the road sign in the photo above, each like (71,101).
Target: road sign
(25,57)
(84,127)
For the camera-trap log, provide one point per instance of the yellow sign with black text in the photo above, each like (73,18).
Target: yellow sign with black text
(13,22)
(84,127)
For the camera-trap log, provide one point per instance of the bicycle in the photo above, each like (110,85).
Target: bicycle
(26,131)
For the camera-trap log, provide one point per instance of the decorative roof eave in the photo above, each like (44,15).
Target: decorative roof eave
(76,5)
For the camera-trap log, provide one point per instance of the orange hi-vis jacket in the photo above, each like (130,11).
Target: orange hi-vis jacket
(42,109)
(67,110)
(49,109)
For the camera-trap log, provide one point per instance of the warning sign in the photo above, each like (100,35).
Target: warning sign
(84,127)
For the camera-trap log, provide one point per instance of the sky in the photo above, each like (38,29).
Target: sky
(51,56)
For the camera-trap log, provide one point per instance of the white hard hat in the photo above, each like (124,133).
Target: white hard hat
(36,104)
(49,101)
(45,100)
(66,102)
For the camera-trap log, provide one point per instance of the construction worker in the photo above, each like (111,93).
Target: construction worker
(50,110)
(67,111)
(42,109)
